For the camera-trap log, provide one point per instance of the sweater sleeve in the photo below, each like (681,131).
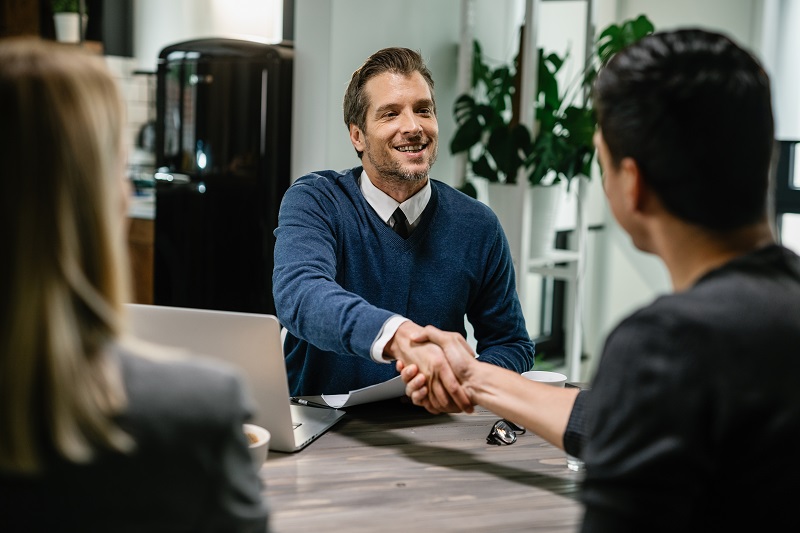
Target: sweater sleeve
(496,314)
(308,300)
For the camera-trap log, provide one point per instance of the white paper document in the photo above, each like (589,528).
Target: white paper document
(374,393)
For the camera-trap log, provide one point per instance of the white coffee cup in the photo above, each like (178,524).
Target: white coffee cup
(258,439)
(556,380)
(543,376)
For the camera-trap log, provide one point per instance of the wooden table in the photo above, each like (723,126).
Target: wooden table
(391,466)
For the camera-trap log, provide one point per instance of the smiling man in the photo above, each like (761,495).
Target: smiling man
(365,258)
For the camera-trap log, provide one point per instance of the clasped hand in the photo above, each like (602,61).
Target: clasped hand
(433,364)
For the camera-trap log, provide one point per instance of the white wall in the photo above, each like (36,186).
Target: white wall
(159,23)
(781,55)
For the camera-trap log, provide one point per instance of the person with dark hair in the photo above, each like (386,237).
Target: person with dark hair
(694,409)
(364,257)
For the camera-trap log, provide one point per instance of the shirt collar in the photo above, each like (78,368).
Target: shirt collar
(384,205)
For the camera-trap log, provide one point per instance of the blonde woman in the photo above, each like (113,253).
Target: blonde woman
(95,434)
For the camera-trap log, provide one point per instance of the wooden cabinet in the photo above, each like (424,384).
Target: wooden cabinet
(19,17)
(140,247)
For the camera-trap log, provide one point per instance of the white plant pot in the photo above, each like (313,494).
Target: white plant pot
(545,202)
(68,27)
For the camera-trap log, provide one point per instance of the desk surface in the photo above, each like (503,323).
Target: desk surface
(390,466)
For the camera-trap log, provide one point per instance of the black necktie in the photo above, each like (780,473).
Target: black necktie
(400,223)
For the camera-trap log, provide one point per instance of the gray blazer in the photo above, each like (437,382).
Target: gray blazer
(191,470)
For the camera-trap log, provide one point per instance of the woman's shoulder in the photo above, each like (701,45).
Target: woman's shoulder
(177,385)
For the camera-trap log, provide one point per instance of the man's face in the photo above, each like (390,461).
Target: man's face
(401,132)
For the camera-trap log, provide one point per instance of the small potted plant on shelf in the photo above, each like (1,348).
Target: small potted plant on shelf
(68,22)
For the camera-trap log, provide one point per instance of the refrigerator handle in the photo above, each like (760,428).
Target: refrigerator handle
(173,177)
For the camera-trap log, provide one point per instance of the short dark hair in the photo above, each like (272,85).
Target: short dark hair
(397,60)
(693,110)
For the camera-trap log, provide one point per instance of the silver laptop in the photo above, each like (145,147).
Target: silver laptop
(251,342)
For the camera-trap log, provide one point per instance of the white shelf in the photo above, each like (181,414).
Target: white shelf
(559,264)
(568,265)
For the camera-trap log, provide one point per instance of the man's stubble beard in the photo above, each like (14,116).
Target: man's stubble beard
(395,172)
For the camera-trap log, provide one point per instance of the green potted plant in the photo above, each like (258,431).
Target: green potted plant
(498,145)
(500,148)
(67,18)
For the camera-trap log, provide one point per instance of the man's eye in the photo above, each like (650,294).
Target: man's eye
(425,111)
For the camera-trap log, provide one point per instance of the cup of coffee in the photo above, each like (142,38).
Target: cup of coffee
(258,440)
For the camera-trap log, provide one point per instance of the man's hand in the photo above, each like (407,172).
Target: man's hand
(443,392)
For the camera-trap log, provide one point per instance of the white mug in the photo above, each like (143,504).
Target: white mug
(557,380)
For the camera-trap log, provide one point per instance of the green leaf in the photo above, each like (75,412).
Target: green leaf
(521,138)
(480,72)
(466,136)
(580,125)
(464,108)
(633,30)
(504,147)
(65,6)
(548,85)
(469,189)
(615,38)
(481,167)
(490,117)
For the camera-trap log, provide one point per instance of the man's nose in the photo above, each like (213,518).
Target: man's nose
(410,123)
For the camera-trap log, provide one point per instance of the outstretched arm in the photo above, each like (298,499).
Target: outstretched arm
(540,408)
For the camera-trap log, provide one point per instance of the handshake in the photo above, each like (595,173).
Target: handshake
(442,375)
(436,367)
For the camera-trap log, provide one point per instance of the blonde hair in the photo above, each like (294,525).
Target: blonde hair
(63,276)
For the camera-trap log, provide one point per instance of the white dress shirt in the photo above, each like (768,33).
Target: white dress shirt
(385,206)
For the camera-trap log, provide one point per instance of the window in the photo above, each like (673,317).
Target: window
(787,195)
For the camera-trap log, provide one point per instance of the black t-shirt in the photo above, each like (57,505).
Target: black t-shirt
(694,413)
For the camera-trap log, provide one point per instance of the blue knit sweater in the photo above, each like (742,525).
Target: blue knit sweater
(341,272)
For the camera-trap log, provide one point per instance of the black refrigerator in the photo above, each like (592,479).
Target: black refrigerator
(223,132)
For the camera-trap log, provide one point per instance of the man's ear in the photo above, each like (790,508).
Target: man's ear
(636,190)
(357,138)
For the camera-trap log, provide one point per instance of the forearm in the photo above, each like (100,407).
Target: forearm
(542,409)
